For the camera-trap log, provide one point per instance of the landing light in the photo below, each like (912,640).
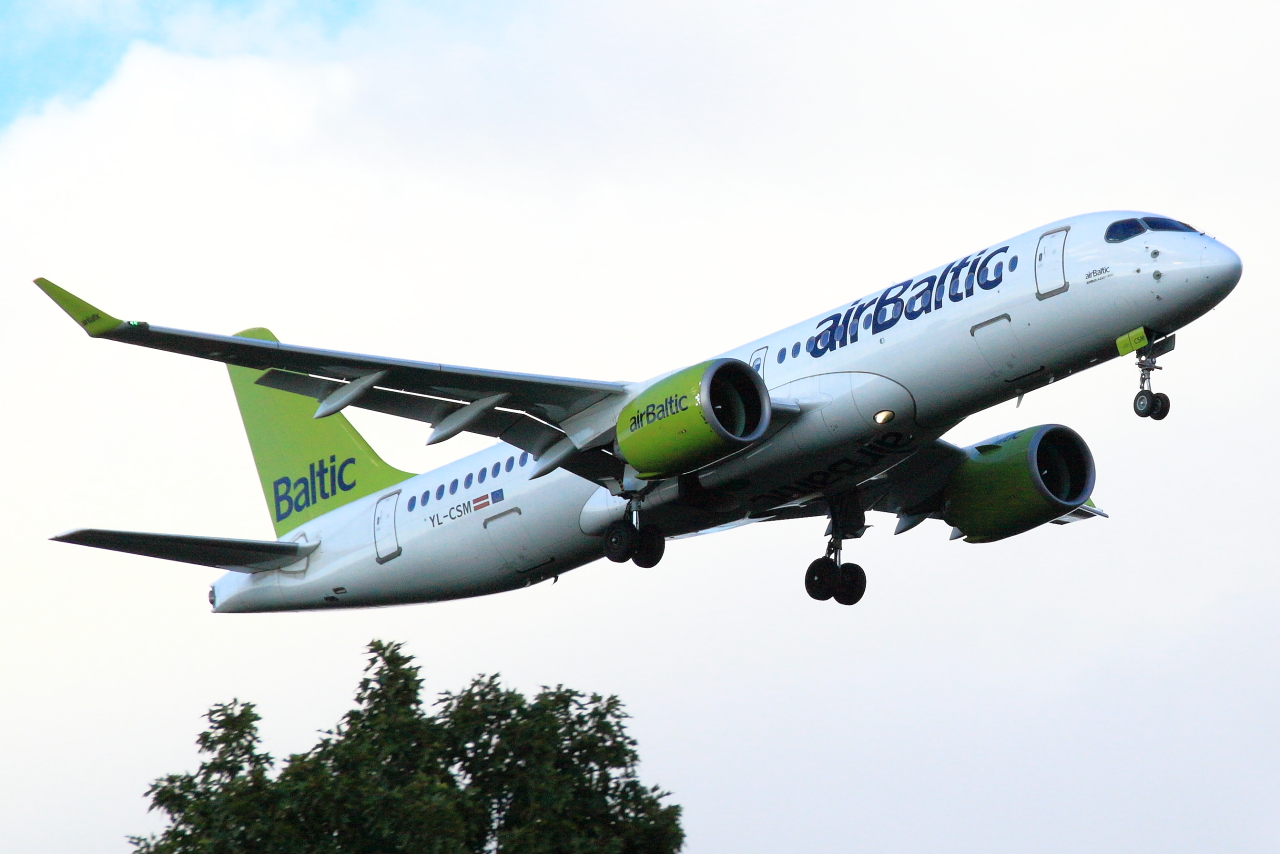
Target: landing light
(884,416)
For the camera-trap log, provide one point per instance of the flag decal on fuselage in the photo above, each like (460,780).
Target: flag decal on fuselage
(485,500)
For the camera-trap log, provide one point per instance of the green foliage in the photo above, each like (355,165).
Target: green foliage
(491,772)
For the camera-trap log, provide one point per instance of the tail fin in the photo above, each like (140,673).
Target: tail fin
(307,466)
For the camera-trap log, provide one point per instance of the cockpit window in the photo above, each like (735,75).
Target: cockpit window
(1160,223)
(1119,232)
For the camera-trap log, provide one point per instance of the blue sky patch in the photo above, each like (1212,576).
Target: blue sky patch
(48,50)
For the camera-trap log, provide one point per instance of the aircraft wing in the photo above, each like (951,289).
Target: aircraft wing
(524,410)
(552,399)
(912,490)
(236,555)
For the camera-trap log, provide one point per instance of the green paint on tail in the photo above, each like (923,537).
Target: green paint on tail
(307,466)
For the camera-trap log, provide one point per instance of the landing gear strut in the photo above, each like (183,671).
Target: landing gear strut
(827,577)
(1148,403)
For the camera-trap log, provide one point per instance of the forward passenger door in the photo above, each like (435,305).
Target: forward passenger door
(1051,278)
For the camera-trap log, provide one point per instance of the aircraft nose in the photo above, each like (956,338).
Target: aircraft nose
(1221,267)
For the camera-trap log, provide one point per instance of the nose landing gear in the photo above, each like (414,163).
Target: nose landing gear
(1148,403)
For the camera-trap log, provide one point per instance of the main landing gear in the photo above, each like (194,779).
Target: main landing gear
(1148,403)
(827,577)
(626,540)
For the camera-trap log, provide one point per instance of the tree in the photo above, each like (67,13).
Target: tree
(490,771)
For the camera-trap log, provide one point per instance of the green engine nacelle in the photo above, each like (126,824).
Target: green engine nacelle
(692,418)
(1015,482)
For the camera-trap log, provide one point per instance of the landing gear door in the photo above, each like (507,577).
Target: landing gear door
(385,540)
(1051,278)
(758,359)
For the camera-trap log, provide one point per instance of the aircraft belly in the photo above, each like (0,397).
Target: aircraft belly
(537,533)
(834,445)
(938,364)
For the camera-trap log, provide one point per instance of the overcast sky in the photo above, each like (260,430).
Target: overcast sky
(611,191)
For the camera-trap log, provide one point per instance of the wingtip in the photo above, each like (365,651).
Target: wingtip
(92,320)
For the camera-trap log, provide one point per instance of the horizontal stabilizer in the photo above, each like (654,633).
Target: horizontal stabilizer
(220,552)
(1084,511)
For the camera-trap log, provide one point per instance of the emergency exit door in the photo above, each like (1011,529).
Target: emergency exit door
(1000,345)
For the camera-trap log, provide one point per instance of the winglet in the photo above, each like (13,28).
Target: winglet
(94,321)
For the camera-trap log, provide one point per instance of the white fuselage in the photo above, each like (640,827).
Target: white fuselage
(931,350)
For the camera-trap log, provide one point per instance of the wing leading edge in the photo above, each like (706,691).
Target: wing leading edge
(522,409)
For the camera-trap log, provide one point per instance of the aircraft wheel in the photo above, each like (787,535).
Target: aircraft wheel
(850,586)
(650,548)
(1143,403)
(620,541)
(1161,409)
(820,578)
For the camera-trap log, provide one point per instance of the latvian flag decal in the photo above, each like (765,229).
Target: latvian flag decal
(485,500)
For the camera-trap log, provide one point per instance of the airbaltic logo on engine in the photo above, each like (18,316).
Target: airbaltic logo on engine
(658,411)
(324,482)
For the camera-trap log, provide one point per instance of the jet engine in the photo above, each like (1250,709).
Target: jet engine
(1016,482)
(693,417)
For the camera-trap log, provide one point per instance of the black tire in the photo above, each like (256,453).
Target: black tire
(820,578)
(1161,409)
(852,584)
(650,548)
(620,541)
(1143,402)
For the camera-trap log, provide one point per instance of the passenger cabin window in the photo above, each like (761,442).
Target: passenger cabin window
(1119,232)
(1160,223)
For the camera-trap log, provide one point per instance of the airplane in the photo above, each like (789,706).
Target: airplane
(836,416)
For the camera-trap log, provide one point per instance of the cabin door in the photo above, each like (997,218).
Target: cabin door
(385,541)
(1051,277)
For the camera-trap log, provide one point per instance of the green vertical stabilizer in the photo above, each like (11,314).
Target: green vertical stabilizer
(307,466)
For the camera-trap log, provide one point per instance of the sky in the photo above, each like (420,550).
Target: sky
(611,191)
